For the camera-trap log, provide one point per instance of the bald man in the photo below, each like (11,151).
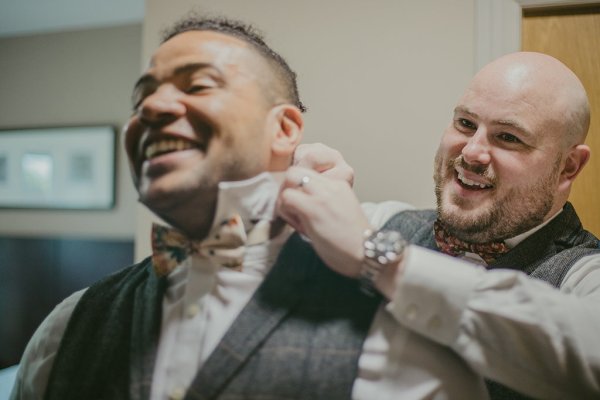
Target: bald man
(523,311)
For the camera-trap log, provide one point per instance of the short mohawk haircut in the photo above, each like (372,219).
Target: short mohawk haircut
(284,75)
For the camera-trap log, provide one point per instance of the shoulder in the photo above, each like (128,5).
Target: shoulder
(379,213)
(412,222)
(41,350)
(583,279)
(40,353)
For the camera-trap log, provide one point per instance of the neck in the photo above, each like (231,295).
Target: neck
(194,221)
(252,199)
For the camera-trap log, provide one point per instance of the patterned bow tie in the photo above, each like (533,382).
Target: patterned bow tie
(225,245)
(455,247)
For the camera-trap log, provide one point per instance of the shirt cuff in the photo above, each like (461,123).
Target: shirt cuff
(432,293)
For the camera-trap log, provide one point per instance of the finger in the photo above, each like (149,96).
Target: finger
(304,179)
(295,203)
(320,186)
(325,160)
(289,217)
(293,177)
(343,173)
(292,221)
(296,207)
(315,156)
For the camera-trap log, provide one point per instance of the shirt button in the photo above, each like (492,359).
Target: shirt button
(192,311)
(177,394)
(411,312)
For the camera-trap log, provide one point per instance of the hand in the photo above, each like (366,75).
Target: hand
(325,160)
(327,212)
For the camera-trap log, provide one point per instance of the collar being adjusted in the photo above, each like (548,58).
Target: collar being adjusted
(245,216)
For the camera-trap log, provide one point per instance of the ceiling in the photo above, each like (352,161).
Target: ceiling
(26,17)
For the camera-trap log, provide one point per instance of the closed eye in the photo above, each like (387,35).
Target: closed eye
(197,88)
(139,95)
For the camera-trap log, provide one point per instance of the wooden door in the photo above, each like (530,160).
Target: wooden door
(573,36)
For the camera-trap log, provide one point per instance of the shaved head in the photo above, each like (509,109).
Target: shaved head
(515,145)
(548,85)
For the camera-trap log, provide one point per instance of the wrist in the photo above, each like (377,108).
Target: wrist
(382,255)
(388,280)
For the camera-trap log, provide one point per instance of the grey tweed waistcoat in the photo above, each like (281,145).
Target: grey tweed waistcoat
(299,337)
(548,254)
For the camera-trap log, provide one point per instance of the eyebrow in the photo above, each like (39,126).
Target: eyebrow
(181,70)
(504,122)
(515,125)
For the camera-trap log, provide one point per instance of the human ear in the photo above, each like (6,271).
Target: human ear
(286,128)
(576,159)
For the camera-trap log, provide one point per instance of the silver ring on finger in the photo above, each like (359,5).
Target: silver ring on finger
(304,181)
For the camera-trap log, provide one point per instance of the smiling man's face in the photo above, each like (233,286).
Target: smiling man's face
(498,167)
(199,118)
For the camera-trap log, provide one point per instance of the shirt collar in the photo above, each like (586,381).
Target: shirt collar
(252,199)
(514,241)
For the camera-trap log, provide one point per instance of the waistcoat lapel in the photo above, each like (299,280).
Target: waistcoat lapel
(549,253)
(254,352)
(110,343)
(256,321)
(145,333)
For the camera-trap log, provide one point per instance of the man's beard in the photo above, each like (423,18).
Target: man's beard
(519,210)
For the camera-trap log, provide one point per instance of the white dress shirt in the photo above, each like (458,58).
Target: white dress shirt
(203,299)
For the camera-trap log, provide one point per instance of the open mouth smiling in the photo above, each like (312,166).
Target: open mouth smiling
(165,146)
(160,145)
(157,147)
(471,184)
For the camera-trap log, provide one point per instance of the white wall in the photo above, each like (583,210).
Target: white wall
(380,79)
(70,78)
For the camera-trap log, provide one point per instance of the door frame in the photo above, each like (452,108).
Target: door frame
(498,25)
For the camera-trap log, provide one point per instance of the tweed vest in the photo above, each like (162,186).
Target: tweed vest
(299,337)
(547,254)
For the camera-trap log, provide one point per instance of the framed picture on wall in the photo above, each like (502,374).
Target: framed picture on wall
(61,168)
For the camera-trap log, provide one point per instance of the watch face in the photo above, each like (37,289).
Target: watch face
(384,246)
(389,241)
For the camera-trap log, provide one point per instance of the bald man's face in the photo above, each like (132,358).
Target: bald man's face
(498,165)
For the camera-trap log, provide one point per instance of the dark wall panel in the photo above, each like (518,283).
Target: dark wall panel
(37,273)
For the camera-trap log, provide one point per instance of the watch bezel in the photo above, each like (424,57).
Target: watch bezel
(380,248)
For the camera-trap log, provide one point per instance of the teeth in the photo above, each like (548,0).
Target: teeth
(469,182)
(165,146)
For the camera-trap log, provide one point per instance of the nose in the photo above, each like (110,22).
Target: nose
(162,106)
(477,148)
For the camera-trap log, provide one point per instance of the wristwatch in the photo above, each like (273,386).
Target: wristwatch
(381,248)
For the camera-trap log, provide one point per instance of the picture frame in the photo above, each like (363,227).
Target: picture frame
(58,168)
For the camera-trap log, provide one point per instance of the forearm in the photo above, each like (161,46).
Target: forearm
(507,326)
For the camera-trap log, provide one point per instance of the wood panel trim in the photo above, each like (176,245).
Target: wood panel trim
(498,25)
(553,3)
(562,10)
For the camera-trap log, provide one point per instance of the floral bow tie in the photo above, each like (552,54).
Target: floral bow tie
(455,247)
(225,245)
